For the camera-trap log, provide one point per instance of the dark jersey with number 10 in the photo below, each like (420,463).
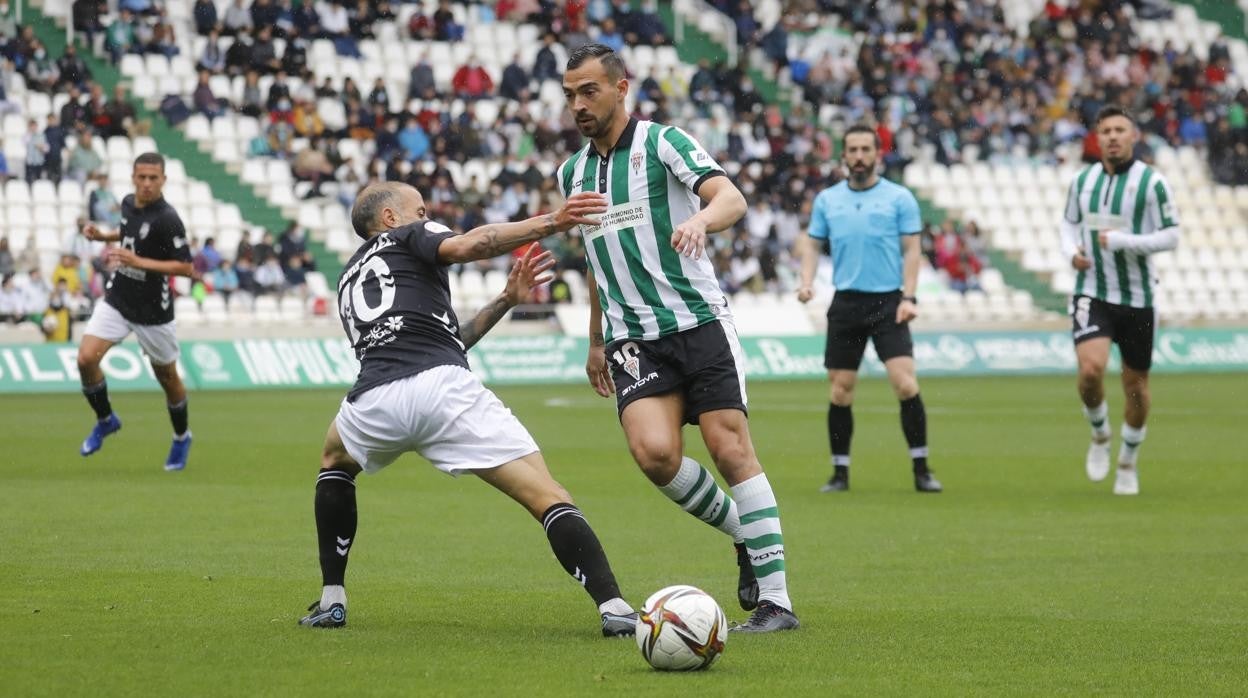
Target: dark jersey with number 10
(154,232)
(395,305)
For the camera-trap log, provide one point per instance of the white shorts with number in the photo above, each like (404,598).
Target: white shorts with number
(159,342)
(445,414)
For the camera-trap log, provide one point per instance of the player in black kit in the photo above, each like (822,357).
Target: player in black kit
(415,391)
(152,248)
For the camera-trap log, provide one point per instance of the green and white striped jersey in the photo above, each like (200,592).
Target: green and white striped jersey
(1137,202)
(646,288)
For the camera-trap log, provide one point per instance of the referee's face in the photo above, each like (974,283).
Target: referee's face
(148,180)
(860,155)
(592,97)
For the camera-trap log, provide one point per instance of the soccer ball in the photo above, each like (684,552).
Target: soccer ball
(681,628)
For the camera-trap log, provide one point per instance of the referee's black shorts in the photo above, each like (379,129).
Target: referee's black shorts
(854,317)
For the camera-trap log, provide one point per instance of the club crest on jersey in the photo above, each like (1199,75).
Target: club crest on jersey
(637,160)
(144,230)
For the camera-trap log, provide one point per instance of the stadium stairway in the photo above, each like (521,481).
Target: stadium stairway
(225,185)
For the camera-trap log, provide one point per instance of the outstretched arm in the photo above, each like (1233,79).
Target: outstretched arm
(91,232)
(494,239)
(528,273)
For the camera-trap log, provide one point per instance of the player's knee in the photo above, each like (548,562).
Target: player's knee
(1091,372)
(88,362)
(842,394)
(339,459)
(906,387)
(659,458)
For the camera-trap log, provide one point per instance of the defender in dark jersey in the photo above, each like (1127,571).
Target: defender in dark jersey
(152,247)
(416,393)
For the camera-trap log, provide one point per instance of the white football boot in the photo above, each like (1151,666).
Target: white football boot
(1097,463)
(1128,482)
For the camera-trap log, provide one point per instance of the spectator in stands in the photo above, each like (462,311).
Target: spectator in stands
(225,280)
(264,52)
(295,57)
(205,102)
(279,136)
(237,20)
(205,14)
(312,165)
(208,258)
(515,80)
(102,205)
(264,13)
(35,293)
(336,26)
(269,277)
(292,243)
(119,37)
(546,64)
(36,151)
(379,96)
(28,258)
(577,34)
(472,81)
(642,25)
(67,272)
(8,23)
(84,161)
(444,26)
(118,113)
(421,83)
(238,55)
(212,59)
(7,264)
(252,102)
(297,277)
(11,300)
(42,74)
(265,248)
(246,271)
(413,141)
(73,70)
(609,35)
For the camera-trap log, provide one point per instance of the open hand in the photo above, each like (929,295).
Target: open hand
(578,209)
(529,272)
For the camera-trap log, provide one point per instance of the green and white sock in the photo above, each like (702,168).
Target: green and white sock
(694,489)
(1098,417)
(760,525)
(1131,440)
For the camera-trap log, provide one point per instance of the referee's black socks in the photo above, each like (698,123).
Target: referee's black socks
(914,426)
(840,434)
(336,519)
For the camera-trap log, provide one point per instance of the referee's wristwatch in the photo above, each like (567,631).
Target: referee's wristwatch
(912,299)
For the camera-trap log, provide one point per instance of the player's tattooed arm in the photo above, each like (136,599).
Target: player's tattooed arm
(495,239)
(484,321)
(597,340)
(530,272)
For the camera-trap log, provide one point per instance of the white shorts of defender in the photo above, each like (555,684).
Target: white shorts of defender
(445,414)
(159,342)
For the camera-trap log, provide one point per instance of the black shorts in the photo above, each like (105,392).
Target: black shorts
(704,364)
(1132,329)
(854,317)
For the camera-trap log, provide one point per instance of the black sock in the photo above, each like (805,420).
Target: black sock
(914,426)
(840,434)
(579,551)
(97,397)
(335,523)
(177,415)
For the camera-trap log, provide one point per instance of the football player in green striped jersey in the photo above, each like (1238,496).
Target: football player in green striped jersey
(1119,212)
(661,334)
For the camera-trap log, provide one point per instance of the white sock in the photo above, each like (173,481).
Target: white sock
(186,435)
(331,595)
(616,606)
(694,489)
(1131,440)
(840,460)
(1098,417)
(760,527)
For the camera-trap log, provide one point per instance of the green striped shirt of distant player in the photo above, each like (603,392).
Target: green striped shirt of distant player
(646,288)
(1138,201)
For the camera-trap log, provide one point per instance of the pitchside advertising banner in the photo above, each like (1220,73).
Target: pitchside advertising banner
(320,363)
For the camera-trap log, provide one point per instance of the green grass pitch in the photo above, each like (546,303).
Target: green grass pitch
(117,578)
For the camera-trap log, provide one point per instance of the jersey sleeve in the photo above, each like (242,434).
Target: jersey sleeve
(1072,214)
(819,217)
(176,246)
(686,158)
(909,219)
(424,238)
(1161,204)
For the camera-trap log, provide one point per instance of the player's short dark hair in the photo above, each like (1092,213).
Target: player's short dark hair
(1111,110)
(611,61)
(860,128)
(370,202)
(151,159)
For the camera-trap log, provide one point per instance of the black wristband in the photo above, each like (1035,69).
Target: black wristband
(912,299)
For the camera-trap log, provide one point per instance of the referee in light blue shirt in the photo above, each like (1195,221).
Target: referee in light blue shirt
(871,228)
